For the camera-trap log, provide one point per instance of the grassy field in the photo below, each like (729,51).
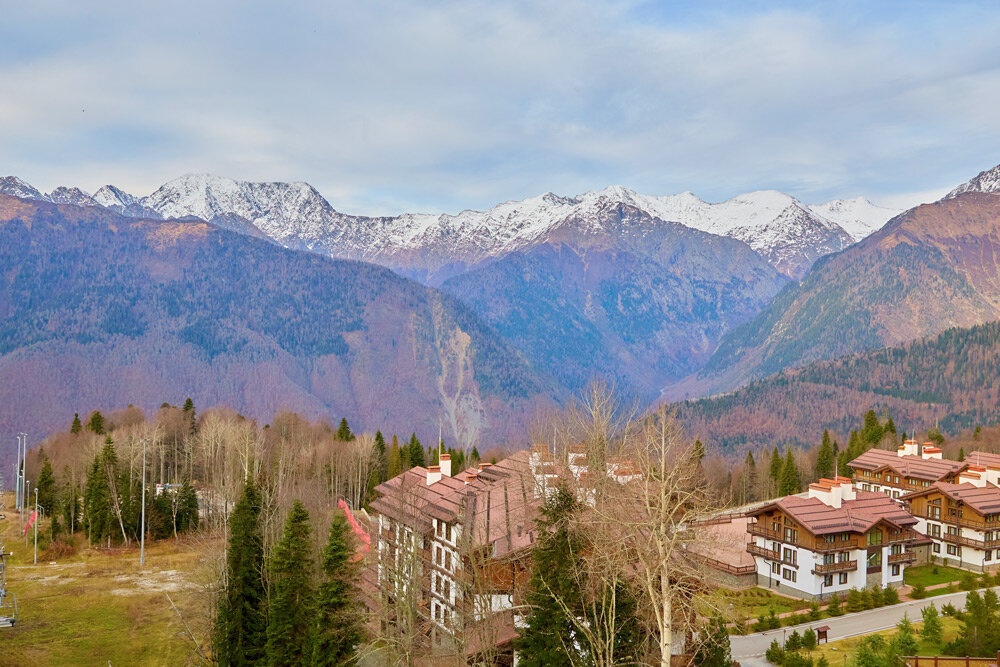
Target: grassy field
(925,574)
(98,608)
(749,603)
(838,653)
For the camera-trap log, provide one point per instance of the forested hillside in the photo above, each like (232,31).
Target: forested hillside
(929,269)
(101,310)
(952,379)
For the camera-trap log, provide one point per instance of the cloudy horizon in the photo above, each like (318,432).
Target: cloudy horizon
(387,108)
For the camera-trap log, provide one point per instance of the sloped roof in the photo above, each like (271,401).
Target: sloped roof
(983,459)
(985,500)
(856,516)
(907,466)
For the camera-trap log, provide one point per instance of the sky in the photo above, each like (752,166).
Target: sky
(439,106)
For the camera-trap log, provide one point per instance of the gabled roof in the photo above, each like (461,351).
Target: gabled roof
(916,467)
(855,516)
(984,500)
(983,459)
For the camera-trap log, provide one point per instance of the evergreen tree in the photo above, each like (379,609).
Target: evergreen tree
(935,436)
(961,453)
(931,631)
(698,450)
(790,481)
(76,427)
(474,457)
(97,499)
(343,431)
(890,426)
(393,460)
(96,423)
(750,481)
(824,458)
(338,628)
(239,631)
(776,466)
(712,648)
(548,635)
(905,641)
(46,485)
(189,414)
(290,616)
(381,467)
(871,431)
(415,452)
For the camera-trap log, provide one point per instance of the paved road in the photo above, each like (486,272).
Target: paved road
(847,625)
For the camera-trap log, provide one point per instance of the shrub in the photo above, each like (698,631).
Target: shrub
(934,570)
(794,641)
(875,597)
(769,622)
(58,549)
(950,610)
(834,609)
(797,660)
(890,596)
(855,601)
(968,582)
(809,639)
(919,592)
(814,613)
(931,630)
(795,619)
(822,662)
(775,654)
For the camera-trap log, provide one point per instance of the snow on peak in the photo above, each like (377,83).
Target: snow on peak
(15,187)
(985,181)
(75,196)
(858,216)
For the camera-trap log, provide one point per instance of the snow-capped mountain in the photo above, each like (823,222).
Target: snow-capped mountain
(74,196)
(986,181)
(15,187)
(433,247)
(858,217)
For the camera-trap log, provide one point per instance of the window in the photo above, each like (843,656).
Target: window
(791,535)
(790,575)
(775,568)
(988,555)
(934,512)
(843,577)
(828,580)
(790,556)
(874,538)
(954,551)
(935,529)
(937,548)
(895,570)
(875,559)
(843,557)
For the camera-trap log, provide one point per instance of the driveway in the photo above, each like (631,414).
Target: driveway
(848,625)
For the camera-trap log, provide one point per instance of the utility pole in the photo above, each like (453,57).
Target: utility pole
(36,525)
(142,537)
(27,485)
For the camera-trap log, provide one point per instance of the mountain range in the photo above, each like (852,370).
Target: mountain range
(98,310)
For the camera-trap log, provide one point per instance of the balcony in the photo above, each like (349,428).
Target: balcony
(764,552)
(837,545)
(907,535)
(970,542)
(966,522)
(830,568)
(904,557)
(762,531)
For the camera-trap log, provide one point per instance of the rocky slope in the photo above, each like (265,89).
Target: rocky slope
(985,181)
(102,310)
(931,268)
(620,296)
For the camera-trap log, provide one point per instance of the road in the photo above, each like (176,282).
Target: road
(847,625)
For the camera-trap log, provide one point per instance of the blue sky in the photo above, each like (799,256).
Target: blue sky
(438,106)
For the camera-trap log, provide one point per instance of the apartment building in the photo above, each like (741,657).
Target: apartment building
(962,519)
(831,539)
(911,467)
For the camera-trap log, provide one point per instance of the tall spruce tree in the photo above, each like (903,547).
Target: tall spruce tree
(76,426)
(344,431)
(775,471)
(290,616)
(415,452)
(393,460)
(96,423)
(825,462)
(790,481)
(750,478)
(712,648)
(46,485)
(338,627)
(240,625)
(548,637)
(379,470)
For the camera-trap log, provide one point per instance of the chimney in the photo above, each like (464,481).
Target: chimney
(471,477)
(975,475)
(445,461)
(433,474)
(484,466)
(909,448)
(930,451)
(827,491)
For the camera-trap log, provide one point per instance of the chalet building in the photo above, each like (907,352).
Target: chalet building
(911,468)
(831,539)
(458,549)
(962,520)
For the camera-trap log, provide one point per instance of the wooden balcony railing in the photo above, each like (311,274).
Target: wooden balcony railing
(763,531)
(904,557)
(970,542)
(763,552)
(965,522)
(842,566)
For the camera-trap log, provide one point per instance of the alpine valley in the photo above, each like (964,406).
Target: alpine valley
(261,295)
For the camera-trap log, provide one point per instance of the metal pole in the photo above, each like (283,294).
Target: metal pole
(142,538)
(27,485)
(36,525)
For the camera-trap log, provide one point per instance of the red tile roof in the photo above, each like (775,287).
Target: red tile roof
(906,466)
(855,516)
(984,500)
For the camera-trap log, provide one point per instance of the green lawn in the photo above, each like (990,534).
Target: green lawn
(749,603)
(925,574)
(836,652)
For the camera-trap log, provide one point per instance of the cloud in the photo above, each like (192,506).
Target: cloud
(389,106)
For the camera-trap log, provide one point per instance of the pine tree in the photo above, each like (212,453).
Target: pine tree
(871,431)
(291,612)
(240,624)
(97,501)
(824,458)
(380,469)
(890,426)
(415,452)
(343,431)
(46,485)
(698,450)
(712,648)
(474,457)
(189,414)
(338,627)
(393,460)
(750,483)
(961,453)
(76,427)
(548,635)
(790,481)
(96,423)
(775,471)
(931,631)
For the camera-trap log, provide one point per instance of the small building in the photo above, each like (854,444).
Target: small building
(962,520)
(831,539)
(911,467)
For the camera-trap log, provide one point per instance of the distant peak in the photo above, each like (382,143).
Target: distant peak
(985,181)
(16,187)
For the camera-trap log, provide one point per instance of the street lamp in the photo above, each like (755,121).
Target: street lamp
(142,537)
(36,525)
(27,485)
